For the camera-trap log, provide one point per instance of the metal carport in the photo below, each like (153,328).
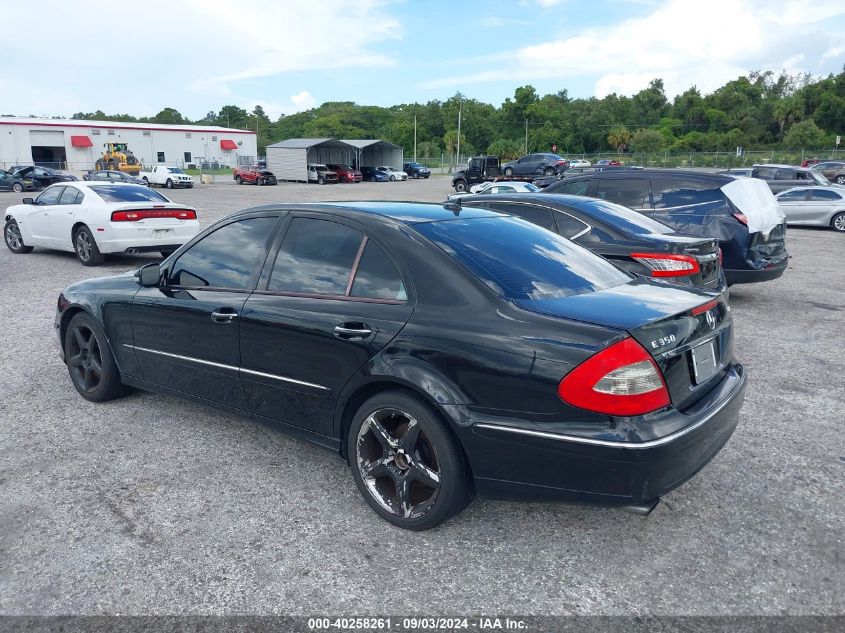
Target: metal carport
(289,159)
(374,153)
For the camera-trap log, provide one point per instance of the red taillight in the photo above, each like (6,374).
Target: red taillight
(741,218)
(704,308)
(668,264)
(144,214)
(622,379)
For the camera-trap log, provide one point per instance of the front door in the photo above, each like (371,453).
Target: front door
(186,332)
(39,216)
(331,301)
(794,205)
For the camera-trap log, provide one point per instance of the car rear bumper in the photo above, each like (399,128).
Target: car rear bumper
(516,459)
(143,239)
(773,270)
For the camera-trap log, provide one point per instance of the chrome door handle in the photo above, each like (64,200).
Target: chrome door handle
(350,331)
(223,317)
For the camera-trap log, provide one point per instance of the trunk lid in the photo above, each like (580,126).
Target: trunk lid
(704,250)
(690,344)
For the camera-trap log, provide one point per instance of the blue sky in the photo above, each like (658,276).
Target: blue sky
(292,55)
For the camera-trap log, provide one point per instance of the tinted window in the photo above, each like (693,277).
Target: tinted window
(569,226)
(225,258)
(71,196)
(316,257)
(519,260)
(101,176)
(681,192)
(575,188)
(625,219)
(127,193)
(767,173)
(377,277)
(825,194)
(50,196)
(541,216)
(787,174)
(792,196)
(629,192)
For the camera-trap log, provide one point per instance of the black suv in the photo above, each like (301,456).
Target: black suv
(691,202)
(415,170)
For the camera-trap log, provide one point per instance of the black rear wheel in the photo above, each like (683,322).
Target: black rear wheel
(509,171)
(90,363)
(14,240)
(406,463)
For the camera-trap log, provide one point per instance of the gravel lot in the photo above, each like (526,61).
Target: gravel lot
(149,505)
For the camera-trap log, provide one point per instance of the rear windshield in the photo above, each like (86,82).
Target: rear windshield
(127,193)
(626,219)
(520,260)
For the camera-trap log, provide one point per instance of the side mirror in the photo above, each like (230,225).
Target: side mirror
(28,201)
(149,275)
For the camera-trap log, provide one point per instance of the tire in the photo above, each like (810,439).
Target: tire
(549,171)
(461,186)
(166,254)
(840,180)
(17,187)
(837,222)
(508,171)
(392,178)
(191,186)
(321,181)
(86,249)
(13,238)
(239,180)
(426,176)
(90,361)
(169,184)
(416,481)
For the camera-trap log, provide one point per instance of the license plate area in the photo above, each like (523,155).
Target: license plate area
(704,361)
(161,232)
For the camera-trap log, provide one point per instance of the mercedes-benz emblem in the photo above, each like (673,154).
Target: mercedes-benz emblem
(711,319)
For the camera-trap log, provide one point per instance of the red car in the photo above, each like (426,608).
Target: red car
(608,162)
(346,174)
(809,162)
(254,175)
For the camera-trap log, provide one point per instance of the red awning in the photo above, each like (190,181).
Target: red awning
(227,144)
(81,141)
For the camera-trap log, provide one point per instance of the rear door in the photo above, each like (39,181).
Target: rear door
(63,216)
(329,301)
(821,204)
(186,332)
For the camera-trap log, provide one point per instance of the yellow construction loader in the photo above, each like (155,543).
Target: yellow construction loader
(118,157)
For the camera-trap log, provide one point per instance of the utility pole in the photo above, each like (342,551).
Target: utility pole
(458,153)
(526,136)
(415,138)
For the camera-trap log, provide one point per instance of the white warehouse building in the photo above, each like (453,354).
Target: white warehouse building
(75,145)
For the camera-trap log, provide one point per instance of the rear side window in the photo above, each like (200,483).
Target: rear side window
(786,174)
(519,260)
(569,226)
(541,216)
(683,192)
(127,193)
(824,194)
(377,277)
(71,196)
(625,219)
(316,257)
(225,258)
(629,192)
(792,196)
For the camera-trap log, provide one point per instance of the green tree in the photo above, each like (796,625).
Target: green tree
(619,138)
(805,134)
(169,116)
(647,141)
(505,148)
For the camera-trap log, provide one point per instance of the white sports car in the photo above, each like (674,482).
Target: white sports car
(92,219)
(393,173)
(579,162)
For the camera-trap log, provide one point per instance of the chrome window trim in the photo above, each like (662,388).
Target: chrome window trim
(239,370)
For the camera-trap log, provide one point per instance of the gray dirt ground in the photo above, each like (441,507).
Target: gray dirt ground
(151,505)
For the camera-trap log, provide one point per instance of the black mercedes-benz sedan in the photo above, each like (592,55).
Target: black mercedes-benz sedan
(441,350)
(630,240)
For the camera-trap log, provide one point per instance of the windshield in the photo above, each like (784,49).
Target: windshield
(175,170)
(627,219)
(519,260)
(127,193)
(819,177)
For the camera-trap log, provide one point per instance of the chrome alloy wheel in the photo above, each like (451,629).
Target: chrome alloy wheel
(397,463)
(85,358)
(83,245)
(13,236)
(839,222)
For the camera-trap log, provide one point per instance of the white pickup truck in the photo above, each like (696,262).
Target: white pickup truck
(169,177)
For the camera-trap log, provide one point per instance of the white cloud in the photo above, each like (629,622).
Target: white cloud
(211,48)
(303,100)
(679,42)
